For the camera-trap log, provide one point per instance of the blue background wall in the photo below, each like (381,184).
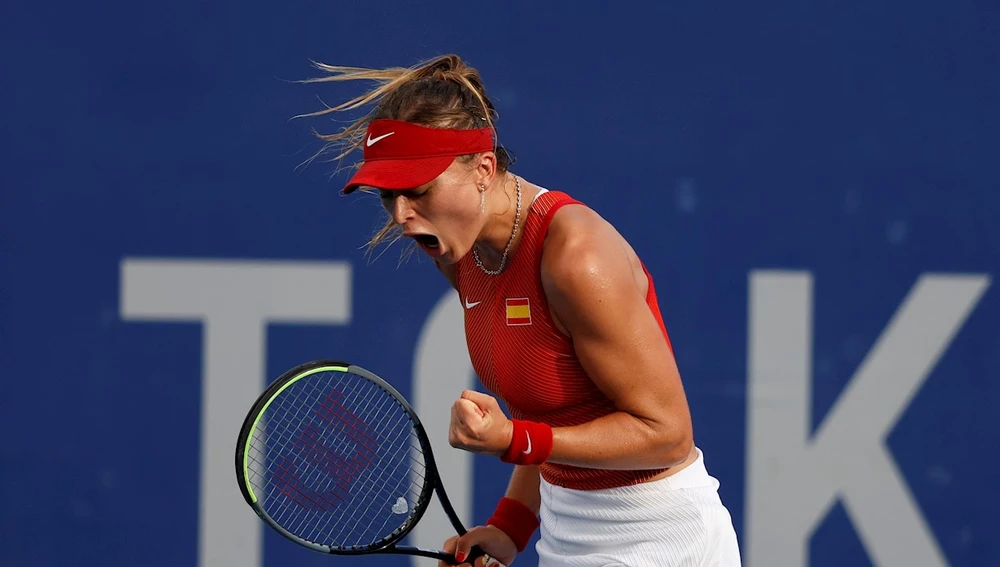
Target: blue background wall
(857,142)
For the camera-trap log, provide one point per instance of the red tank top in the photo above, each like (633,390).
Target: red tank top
(522,357)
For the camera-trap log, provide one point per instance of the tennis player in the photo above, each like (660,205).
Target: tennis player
(562,324)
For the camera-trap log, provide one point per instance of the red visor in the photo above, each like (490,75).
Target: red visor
(403,155)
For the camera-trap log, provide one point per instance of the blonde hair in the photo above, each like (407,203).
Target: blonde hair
(443,92)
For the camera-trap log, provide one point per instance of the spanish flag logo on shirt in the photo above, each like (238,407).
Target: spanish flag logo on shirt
(518,311)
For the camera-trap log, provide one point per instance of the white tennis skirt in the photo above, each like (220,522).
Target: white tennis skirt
(677,521)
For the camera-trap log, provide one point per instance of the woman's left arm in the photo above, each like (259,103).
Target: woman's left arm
(590,282)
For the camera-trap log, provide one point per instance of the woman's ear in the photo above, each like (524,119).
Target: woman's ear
(486,168)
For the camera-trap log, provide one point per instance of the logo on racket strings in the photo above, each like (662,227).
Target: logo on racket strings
(331,455)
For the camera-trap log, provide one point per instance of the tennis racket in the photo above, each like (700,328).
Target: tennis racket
(332,457)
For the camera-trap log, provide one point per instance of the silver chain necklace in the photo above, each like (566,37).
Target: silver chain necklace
(503,259)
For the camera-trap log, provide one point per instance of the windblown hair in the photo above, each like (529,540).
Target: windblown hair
(443,92)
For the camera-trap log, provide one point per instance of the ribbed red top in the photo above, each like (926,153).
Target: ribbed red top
(523,359)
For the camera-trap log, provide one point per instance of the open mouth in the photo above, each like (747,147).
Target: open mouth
(427,240)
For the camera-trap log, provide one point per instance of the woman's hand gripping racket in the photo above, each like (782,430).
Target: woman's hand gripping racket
(333,458)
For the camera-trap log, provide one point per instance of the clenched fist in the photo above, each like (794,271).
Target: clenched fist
(479,425)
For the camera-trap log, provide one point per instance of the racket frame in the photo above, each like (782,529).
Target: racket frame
(432,479)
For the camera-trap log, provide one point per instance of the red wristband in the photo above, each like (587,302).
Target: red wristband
(531,443)
(516,520)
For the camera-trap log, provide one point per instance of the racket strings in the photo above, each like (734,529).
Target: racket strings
(308,501)
(282,468)
(416,473)
(345,470)
(336,460)
(380,479)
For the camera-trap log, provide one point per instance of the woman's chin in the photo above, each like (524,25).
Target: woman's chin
(441,254)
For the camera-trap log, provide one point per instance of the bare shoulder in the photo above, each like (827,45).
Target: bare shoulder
(578,237)
(584,254)
(575,220)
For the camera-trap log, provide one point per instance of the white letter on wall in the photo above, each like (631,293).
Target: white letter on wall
(235,300)
(793,478)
